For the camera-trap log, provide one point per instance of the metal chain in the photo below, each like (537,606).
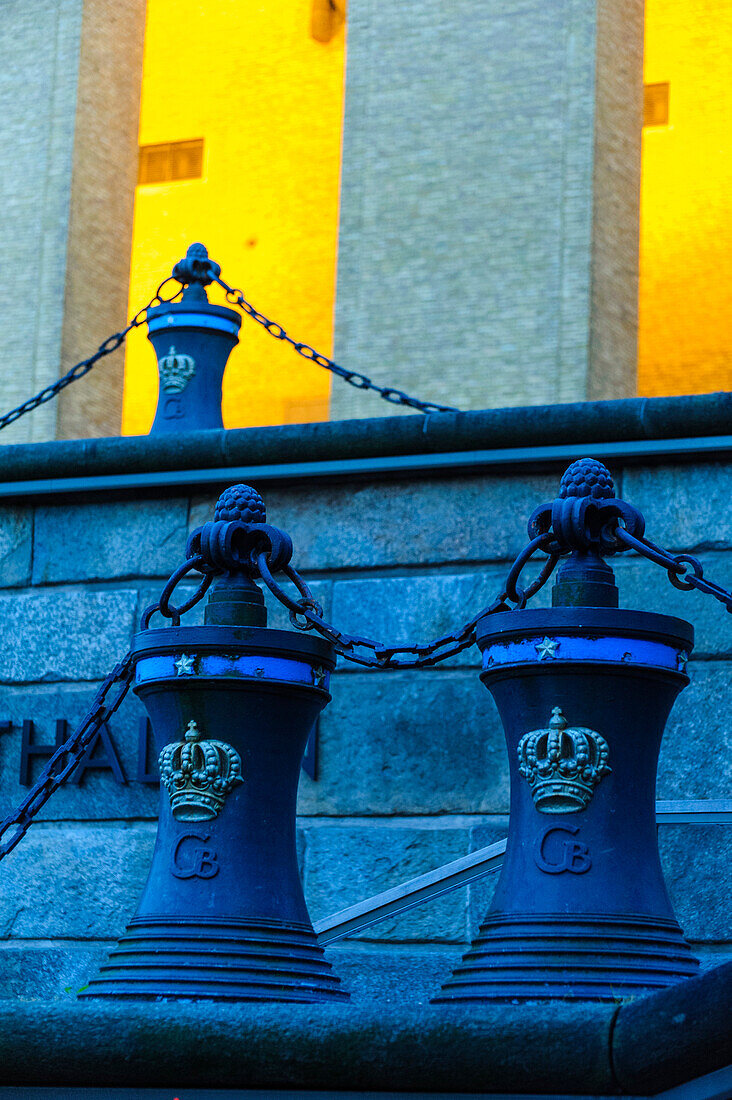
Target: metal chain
(81,369)
(684,570)
(307,614)
(68,755)
(353,377)
(235,297)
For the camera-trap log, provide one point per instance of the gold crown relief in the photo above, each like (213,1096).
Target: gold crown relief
(176,371)
(198,774)
(562,765)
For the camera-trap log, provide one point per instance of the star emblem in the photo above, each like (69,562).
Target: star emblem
(184,665)
(547,649)
(682,660)
(318,676)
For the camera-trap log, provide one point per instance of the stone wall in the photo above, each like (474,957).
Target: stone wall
(412,769)
(70,75)
(488,244)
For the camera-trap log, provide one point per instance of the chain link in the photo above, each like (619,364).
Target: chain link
(165,607)
(306,614)
(354,378)
(81,369)
(684,570)
(234,297)
(68,755)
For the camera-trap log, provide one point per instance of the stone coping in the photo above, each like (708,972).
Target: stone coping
(650,1044)
(696,416)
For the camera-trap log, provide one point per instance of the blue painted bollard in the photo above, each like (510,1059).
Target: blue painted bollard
(581,910)
(192,340)
(232,704)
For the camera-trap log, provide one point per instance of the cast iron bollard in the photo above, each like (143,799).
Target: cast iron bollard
(232,704)
(584,691)
(193,340)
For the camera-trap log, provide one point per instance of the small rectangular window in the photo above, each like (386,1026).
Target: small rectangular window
(655,104)
(174,160)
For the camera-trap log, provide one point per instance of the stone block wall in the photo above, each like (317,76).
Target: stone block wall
(488,241)
(412,770)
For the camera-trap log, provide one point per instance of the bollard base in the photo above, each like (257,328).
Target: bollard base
(551,957)
(224,959)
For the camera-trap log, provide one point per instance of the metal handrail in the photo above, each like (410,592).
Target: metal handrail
(478,864)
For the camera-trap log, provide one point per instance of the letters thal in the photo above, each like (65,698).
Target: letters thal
(102,754)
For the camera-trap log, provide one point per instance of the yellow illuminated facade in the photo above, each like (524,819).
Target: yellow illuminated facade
(261,84)
(241,120)
(685,341)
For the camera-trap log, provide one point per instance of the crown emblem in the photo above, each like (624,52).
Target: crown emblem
(198,775)
(176,371)
(562,765)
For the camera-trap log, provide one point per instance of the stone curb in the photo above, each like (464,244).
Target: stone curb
(657,1041)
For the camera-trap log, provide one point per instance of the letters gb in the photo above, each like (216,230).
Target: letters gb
(193,861)
(558,850)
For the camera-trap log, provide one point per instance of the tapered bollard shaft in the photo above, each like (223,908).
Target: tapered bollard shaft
(584,690)
(232,704)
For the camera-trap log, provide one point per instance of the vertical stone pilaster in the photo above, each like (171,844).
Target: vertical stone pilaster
(39,60)
(616,202)
(70,74)
(490,197)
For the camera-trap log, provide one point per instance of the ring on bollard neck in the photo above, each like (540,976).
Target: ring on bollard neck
(195,271)
(228,551)
(582,522)
(229,547)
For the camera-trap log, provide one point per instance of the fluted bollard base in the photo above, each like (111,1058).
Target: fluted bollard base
(571,958)
(237,960)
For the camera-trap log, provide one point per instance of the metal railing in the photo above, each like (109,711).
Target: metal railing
(479,864)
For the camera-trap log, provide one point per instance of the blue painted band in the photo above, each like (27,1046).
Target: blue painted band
(173,321)
(193,666)
(568,648)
